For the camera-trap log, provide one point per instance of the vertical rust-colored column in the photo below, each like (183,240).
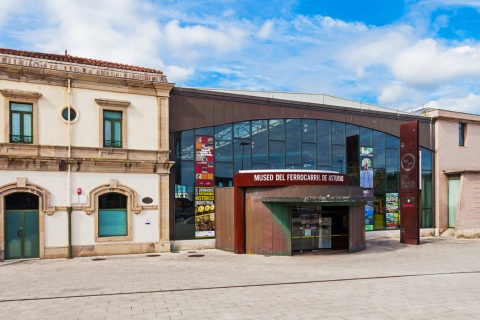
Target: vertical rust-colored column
(239,219)
(409,183)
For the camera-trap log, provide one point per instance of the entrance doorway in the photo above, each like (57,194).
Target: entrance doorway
(318,229)
(21,226)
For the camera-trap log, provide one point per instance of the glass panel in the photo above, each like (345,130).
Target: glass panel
(73,114)
(223,174)
(114,115)
(426,160)
(365,137)
(338,158)
(117,133)
(184,210)
(453,193)
(309,154)
(276,129)
(21,107)
(112,222)
(277,155)
(208,131)
(292,142)
(13,239)
(31,235)
(223,143)
(351,130)
(378,149)
(391,141)
(108,131)
(391,166)
(426,194)
(309,130)
(260,142)
(241,129)
(27,125)
(242,154)
(379,182)
(461,134)
(185,145)
(338,133)
(259,166)
(324,133)
(15,126)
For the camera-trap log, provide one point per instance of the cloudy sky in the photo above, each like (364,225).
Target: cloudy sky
(397,53)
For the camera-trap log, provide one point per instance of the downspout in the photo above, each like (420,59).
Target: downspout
(69,173)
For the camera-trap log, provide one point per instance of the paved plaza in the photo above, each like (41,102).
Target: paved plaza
(440,279)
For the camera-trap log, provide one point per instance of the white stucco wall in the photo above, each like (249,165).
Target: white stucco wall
(83,225)
(141,116)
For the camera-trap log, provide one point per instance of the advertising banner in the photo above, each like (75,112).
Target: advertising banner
(369,216)
(204,187)
(392,211)
(366,171)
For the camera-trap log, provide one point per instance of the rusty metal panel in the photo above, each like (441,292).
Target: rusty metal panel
(409,197)
(356,235)
(224,219)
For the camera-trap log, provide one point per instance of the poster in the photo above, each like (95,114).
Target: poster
(392,211)
(204,187)
(369,216)
(204,212)
(366,171)
(204,160)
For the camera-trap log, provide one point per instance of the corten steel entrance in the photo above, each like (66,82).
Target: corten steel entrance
(264,223)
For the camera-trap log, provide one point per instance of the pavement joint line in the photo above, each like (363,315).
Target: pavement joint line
(239,286)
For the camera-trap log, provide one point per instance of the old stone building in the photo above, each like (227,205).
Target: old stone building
(84,157)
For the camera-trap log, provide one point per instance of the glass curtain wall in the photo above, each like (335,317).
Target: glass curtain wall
(294,144)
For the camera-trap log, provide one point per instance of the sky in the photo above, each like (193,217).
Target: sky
(401,54)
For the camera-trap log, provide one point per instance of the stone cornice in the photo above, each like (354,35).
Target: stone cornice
(83,80)
(113,103)
(20,94)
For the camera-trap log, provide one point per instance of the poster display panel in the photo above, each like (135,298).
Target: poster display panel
(204,187)
(392,211)
(366,182)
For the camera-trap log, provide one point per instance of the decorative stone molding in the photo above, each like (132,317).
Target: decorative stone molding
(20,94)
(112,103)
(42,193)
(112,186)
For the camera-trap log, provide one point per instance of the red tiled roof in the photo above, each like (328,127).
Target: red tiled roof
(73,59)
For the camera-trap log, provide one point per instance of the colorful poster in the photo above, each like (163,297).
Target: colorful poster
(204,187)
(204,160)
(366,172)
(369,216)
(392,210)
(204,212)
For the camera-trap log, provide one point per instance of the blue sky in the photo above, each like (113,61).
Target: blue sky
(399,54)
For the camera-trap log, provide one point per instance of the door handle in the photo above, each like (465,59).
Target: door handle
(20,233)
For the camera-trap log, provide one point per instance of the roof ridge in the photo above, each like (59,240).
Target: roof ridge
(80,60)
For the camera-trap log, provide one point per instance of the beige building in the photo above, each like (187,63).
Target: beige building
(456,173)
(84,157)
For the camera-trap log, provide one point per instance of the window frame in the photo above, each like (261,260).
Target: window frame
(112,105)
(112,142)
(23,97)
(22,114)
(462,134)
(125,209)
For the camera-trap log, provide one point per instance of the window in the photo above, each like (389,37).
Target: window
(73,114)
(461,134)
(113,123)
(112,129)
(112,215)
(21,122)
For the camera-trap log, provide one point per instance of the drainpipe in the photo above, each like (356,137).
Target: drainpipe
(69,173)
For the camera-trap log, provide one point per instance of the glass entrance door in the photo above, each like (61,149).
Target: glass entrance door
(310,232)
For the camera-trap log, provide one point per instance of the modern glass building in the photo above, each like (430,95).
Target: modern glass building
(265,130)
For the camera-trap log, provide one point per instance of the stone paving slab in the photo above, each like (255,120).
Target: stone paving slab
(440,279)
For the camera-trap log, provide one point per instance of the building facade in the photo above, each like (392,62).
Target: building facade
(84,157)
(248,130)
(457,173)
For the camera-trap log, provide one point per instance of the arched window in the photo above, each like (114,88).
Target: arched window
(112,215)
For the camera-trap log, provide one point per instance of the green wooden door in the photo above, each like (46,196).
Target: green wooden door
(21,234)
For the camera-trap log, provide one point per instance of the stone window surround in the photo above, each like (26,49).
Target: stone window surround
(113,105)
(20,96)
(132,207)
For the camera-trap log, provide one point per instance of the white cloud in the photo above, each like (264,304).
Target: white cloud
(425,64)
(266,30)
(469,103)
(391,93)
(178,74)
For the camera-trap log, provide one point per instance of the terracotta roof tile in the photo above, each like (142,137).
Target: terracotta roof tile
(79,60)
